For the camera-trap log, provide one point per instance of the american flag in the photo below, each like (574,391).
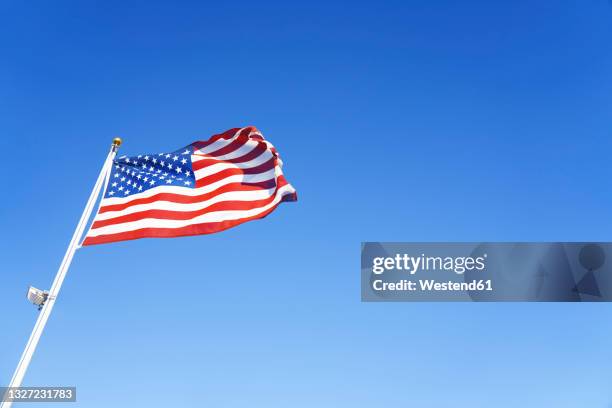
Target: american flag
(206,187)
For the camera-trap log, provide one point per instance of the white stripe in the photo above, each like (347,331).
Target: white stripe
(218,144)
(238,178)
(241,151)
(172,206)
(217,167)
(244,149)
(216,216)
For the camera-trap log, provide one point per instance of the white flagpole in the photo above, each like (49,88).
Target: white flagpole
(43,316)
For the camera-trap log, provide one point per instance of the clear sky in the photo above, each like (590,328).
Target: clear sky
(397,121)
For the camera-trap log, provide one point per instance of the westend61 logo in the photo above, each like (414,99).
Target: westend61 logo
(414,264)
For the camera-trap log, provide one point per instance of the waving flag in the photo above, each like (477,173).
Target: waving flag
(206,187)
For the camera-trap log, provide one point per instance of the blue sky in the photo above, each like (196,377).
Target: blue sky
(397,121)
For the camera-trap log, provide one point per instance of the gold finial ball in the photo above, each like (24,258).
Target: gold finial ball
(117,141)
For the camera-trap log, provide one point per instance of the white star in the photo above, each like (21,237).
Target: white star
(152,182)
(139,177)
(175,158)
(187,183)
(178,170)
(139,188)
(154,160)
(146,158)
(168,181)
(186,151)
(151,168)
(168,155)
(120,188)
(127,159)
(126,192)
(116,175)
(114,184)
(187,173)
(184,161)
(162,164)
(111,193)
(145,179)
(169,166)
(122,178)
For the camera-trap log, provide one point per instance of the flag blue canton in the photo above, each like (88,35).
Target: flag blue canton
(133,175)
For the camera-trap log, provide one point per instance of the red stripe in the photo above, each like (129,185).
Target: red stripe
(195,229)
(185,199)
(256,152)
(186,215)
(237,143)
(228,134)
(262,168)
(268,184)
